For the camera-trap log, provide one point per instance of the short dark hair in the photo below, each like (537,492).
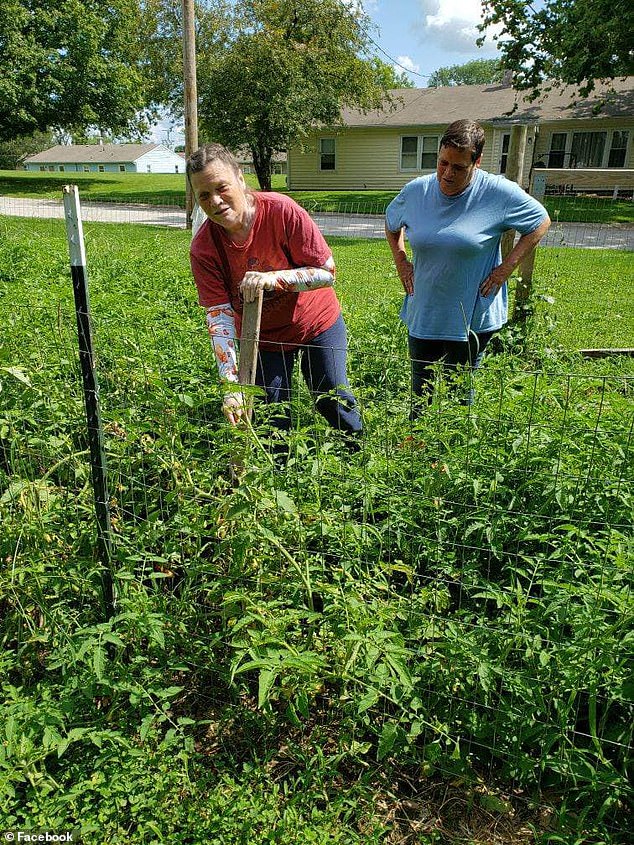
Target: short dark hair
(207,154)
(464,135)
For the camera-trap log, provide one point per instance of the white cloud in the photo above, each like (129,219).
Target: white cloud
(167,132)
(453,25)
(405,63)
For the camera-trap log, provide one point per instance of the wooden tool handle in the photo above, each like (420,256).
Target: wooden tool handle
(249,344)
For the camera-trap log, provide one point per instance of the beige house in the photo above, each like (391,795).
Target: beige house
(382,150)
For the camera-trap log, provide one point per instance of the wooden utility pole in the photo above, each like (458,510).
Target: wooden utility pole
(514,171)
(191,96)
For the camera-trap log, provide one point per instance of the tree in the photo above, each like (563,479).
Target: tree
(162,37)
(388,77)
(14,151)
(287,66)
(477,72)
(70,64)
(574,42)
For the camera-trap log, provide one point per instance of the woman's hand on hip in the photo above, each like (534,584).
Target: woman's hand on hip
(254,282)
(493,282)
(405,270)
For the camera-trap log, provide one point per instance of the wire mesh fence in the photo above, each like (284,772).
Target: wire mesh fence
(456,595)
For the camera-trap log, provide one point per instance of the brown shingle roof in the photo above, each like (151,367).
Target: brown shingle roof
(92,153)
(494,104)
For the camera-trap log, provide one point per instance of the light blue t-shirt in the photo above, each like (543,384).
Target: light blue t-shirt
(455,244)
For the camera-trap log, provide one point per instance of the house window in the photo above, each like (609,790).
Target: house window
(61,167)
(409,152)
(101,168)
(557,149)
(175,168)
(86,168)
(327,154)
(42,167)
(506,140)
(429,157)
(587,149)
(149,168)
(51,167)
(122,168)
(618,149)
(419,152)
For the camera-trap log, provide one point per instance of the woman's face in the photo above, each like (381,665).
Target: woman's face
(222,195)
(455,170)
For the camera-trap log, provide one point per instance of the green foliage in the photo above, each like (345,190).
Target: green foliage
(476,72)
(69,64)
(291,658)
(575,42)
(278,75)
(13,151)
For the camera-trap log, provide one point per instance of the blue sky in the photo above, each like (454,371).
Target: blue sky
(418,36)
(423,35)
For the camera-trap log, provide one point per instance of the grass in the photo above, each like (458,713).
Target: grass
(590,209)
(424,643)
(169,189)
(346,202)
(592,291)
(153,188)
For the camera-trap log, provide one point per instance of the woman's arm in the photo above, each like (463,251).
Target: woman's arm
(296,280)
(501,273)
(404,266)
(221,325)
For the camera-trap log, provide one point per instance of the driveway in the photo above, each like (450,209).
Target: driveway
(588,235)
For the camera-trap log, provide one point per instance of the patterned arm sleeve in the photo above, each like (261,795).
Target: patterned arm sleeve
(304,278)
(221,325)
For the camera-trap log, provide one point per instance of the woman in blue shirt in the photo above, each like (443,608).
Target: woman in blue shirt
(455,285)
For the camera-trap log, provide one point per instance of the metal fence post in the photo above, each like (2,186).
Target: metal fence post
(75,235)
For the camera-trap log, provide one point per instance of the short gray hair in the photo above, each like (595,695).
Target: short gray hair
(209,153)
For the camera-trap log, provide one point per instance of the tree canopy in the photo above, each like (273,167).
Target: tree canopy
(69,63)
(574,42)
(12,152)
(477,72)
(288,66)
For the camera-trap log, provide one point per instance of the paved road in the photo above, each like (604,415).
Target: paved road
(95,212)
(589,235)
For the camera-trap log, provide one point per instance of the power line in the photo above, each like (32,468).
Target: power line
(396,63)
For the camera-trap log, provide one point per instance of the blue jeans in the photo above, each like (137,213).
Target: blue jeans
(424,353)
(323,365)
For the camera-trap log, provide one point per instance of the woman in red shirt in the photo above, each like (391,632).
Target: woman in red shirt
(255,241)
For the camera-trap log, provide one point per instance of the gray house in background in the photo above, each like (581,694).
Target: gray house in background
(107,158)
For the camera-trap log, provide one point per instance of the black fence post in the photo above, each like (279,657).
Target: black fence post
(79,275)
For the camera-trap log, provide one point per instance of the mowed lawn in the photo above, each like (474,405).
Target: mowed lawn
(169,189)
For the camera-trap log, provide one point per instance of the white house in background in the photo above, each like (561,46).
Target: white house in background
(107,158)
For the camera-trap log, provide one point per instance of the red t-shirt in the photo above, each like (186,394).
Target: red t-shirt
(283,236)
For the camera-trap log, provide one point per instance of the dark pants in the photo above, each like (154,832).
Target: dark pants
(424,353)
(323,365)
